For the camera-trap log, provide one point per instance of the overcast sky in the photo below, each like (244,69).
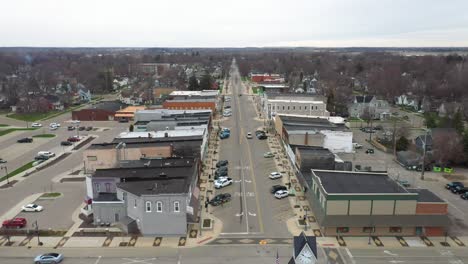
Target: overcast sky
(235,23)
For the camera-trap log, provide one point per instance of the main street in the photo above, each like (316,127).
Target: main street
(253,209)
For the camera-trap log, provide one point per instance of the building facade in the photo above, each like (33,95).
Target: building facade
(359,204)
(369,105)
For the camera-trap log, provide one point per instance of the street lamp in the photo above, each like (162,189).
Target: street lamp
(423,167)
(6,172)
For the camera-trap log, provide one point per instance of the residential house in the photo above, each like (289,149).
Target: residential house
(369,105)
(408,101)
(84,94)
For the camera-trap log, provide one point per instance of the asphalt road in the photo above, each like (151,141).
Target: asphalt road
(237,254)
(253,209)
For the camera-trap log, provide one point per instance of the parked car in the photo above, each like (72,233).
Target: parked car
(222,163)
(2,160)
(81,128)
(222,168)
(227,114)
(357,146)
(451,185)
(268,155)
(275,175)
(281,194)
(249,135)
(46,153)
(66,143)
(370,151)
(460,190)
(25,140)
(70,128)
(123,120)
(15,223)
(48,258)
(75,122)
(225,129)
(220,174)
(222,182)
(220,199)
(32,208)
(73,139)
(426,168)
(53,127)
(464,196)
(36,125)
(262,136)
(276,188)
(41,157)
(89,128)
(224,135)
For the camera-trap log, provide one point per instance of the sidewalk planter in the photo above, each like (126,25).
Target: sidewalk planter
(437,169)
(207,224)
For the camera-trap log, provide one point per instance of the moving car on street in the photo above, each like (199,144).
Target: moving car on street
(71,128)
(222,182)
(25,140)
(32,208)
(89,128)
(2,160)
(275,175)
(15,223)
(220,199)
(281,194)
(268,155)
(36,125)
(249,135)
(48,258)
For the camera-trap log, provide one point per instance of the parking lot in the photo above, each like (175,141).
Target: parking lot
(58,212)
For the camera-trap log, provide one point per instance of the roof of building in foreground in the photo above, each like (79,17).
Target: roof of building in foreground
(348,182)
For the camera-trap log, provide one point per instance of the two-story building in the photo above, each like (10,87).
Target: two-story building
(295,104)
(369,105)
(150,196)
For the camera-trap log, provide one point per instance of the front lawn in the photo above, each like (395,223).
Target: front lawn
(4,125)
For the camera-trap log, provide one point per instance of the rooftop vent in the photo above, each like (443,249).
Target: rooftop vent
(163,175)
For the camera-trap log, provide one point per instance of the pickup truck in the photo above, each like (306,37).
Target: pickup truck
(14,223)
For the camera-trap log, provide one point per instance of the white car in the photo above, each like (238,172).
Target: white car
(249,135)
(54,125)
(75,121)
(222,182)
(227,114)
(275,175)
(36,125)
(32,208)
(281,194)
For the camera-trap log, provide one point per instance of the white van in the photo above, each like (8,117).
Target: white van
(46,153)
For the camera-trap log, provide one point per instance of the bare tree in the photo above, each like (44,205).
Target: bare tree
(448,147)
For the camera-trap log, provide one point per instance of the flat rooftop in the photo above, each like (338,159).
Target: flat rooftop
(344,182)
(195,93)
(426,196)
(155,187)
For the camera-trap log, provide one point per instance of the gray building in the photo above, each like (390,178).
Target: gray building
(153,197)
(162,119)
(369,105)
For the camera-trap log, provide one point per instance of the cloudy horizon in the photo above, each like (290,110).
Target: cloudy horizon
(209,23)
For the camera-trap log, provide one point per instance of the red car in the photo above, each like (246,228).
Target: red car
(73,139)
(15,222)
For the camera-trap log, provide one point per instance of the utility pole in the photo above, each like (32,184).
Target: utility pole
(423,167)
